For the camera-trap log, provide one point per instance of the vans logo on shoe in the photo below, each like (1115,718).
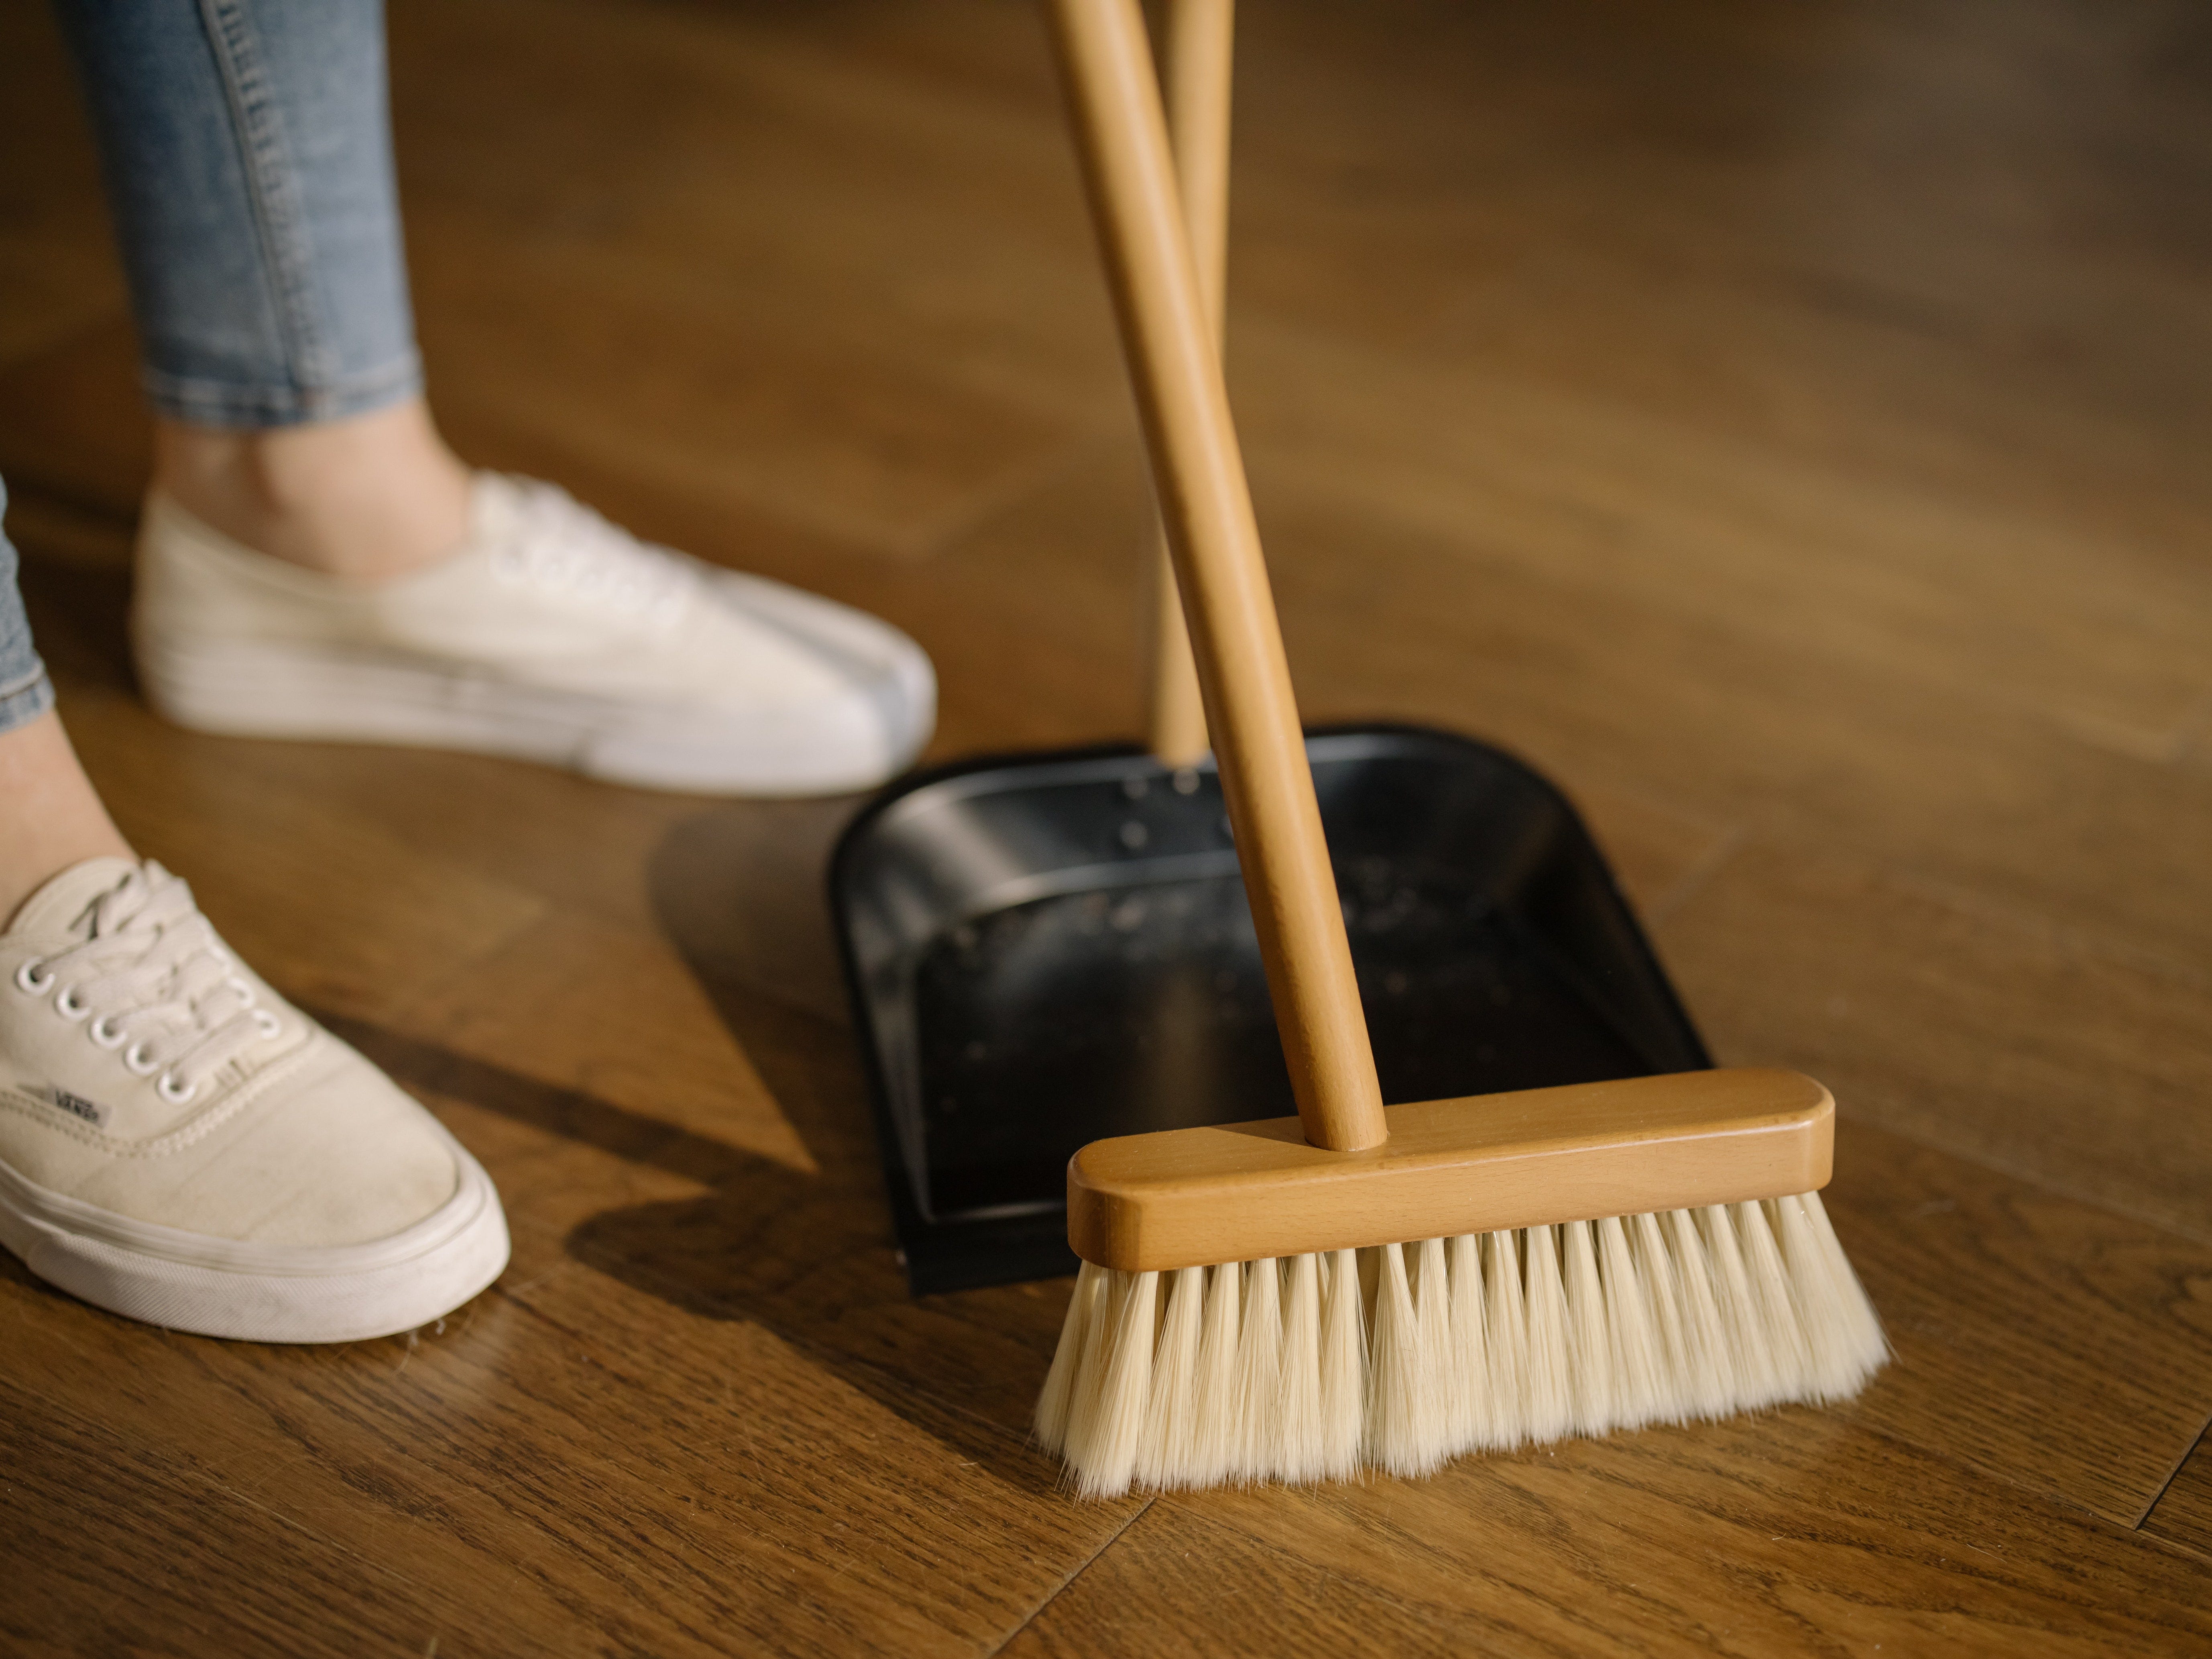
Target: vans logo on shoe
(76,1105)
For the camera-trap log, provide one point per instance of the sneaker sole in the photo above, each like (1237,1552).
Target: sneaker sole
(258,1292)
(250,689)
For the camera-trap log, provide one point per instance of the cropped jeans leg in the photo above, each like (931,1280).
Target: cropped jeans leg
(25,691)
(247,146)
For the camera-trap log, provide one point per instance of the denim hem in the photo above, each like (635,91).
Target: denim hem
(223,403)
(23,700)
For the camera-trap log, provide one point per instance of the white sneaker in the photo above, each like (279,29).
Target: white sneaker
(552,635)
(178,1144)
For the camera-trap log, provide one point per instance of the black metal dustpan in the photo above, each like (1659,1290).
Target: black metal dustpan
(1043,950)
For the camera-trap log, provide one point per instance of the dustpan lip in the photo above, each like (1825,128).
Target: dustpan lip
(902,788)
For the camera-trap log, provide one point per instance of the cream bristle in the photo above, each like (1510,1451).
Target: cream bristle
(1169,1449)
(1432,1353)
(1468,1381)
(1758,1377)
(1770,1290)
(1590,1356)
(1867,1339)
(1110,1458)
(1711,1373)
(1396,1418)
(1505,1340)
(1671,1337)
(1217,1432)
(1053,1405)
(1260,1373)
(1663,1300)
(1083,1400)
(1548,1400)
(1299,1456)
(1640,1391)
(1343,1369)
(1824,1289)
(1268,1370)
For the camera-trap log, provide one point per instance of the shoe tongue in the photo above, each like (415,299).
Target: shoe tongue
(60,907)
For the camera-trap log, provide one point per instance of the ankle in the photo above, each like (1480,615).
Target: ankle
(367,499)
(51,818)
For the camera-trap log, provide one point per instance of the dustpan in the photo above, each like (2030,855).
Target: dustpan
(1043,950)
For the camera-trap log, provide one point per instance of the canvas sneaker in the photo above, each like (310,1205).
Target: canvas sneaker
(178,1144)
(552,635)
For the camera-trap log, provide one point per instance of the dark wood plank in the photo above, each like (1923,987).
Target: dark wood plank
(108,1537)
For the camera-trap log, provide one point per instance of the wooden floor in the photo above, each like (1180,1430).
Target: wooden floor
(1785,425)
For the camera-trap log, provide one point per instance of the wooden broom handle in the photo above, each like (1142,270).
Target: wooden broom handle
(1198,65)
(1207,512)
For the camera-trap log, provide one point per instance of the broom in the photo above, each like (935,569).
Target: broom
(1582,1259)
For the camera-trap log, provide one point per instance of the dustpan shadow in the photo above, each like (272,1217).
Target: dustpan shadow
(740,890)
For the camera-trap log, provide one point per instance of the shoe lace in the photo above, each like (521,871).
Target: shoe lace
(155,982)
(562,546)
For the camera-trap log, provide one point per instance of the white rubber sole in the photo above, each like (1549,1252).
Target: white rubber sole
(258,1292)
(246,688)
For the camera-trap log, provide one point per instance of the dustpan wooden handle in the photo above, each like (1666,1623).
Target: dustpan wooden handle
(1198,66)
(1207,512)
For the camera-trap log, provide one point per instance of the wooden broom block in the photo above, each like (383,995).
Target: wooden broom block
(1240,1192)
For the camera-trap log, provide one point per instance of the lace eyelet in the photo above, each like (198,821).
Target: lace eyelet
(247,996)
(268,1023)
(30,983)
(105,1032)
(138,1061)
(174,1092)
(70,1005)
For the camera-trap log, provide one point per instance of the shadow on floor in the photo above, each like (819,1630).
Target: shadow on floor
(807,1257)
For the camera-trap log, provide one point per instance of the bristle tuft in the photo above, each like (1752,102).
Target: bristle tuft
(1548,1404)
(1053,1404)
(1299,1451)
(1171,1408)
(1638,1361)
(1217,1433)
(1466,1380)
(1839,1323)
(1505,1339)
(1260,1374)
(1109,1457)
(1343,1369)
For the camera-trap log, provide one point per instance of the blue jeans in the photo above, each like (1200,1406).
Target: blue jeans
(247,146)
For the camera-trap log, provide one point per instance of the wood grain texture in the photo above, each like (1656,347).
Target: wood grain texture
(1785,427)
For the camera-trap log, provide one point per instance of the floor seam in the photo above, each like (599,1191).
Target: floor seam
(2174,1473)
(1065,1584)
